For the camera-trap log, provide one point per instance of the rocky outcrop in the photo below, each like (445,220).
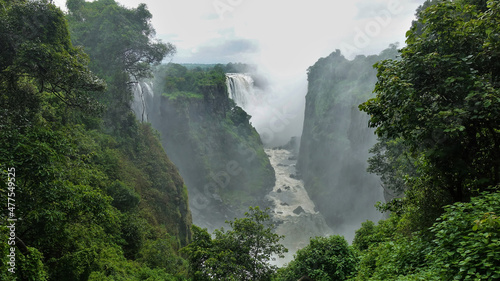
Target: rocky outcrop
(336,139)
(218,153)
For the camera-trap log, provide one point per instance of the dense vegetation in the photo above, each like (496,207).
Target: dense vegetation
(242,253)
(443,108)
(436,114)
(94,197)
(92,201)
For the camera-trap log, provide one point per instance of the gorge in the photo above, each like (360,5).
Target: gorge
(116,165)
(220,154)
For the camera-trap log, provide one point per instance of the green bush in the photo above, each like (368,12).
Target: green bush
(325,258)
(386,253)
(463,245)
(467,244)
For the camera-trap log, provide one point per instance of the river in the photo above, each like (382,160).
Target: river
(293,211)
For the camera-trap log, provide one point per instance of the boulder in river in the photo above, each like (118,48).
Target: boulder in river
(298,210)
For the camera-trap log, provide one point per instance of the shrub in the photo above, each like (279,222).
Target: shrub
(325,258)
(467,244)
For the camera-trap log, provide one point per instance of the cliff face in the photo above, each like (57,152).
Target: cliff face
(336,139)
(219,154)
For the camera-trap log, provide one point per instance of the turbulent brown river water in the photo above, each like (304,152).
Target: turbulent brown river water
(292,209)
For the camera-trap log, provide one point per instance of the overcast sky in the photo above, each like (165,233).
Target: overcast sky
(283,35)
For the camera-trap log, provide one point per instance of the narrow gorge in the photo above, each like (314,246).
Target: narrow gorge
(316,184)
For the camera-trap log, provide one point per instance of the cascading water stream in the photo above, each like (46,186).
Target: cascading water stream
(142,91)
(240,89)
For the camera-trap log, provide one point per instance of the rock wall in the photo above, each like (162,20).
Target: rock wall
(218,153)
(336,139)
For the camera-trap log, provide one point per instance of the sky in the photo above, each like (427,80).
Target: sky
(282,37)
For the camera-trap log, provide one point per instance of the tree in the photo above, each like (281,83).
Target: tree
(121,46)
(394,164)
(78,197)
(325,258)
(36,56)
(242,253)
(442,98)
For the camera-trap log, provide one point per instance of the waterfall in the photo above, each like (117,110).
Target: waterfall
(143,91)
(292,210)
(241,90)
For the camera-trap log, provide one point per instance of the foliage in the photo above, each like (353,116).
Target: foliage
(394,164)
(36,56)
(84,200)
(242,253)
(325,258)
(434,112)
(467,240)
(443,94)
(179,82)
(121,45)
(116,38)
(463,244)
(387,255)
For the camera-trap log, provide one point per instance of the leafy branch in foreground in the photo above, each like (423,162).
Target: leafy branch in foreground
(242,253)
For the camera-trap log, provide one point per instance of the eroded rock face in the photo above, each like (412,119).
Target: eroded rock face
(211,141)
(336,140)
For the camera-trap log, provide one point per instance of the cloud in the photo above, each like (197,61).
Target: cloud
(233,50)
(290,35)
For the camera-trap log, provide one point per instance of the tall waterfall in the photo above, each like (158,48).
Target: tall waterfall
(241,89)
(276,112)
(143,91)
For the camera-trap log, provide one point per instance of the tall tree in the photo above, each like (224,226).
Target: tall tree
(442,98)
(242,253)
(122,46)
(36,56)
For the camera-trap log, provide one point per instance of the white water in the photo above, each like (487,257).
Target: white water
(241,90)
(288,195)
(142,91)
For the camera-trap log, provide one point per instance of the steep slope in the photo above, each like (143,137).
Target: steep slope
(336,139)
(87,202)
(219,154)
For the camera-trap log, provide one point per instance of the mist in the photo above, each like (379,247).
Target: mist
(284,47)
(284,103)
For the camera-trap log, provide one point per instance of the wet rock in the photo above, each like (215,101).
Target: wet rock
(279,190)
(298,210)
(287,187)
(284,204)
